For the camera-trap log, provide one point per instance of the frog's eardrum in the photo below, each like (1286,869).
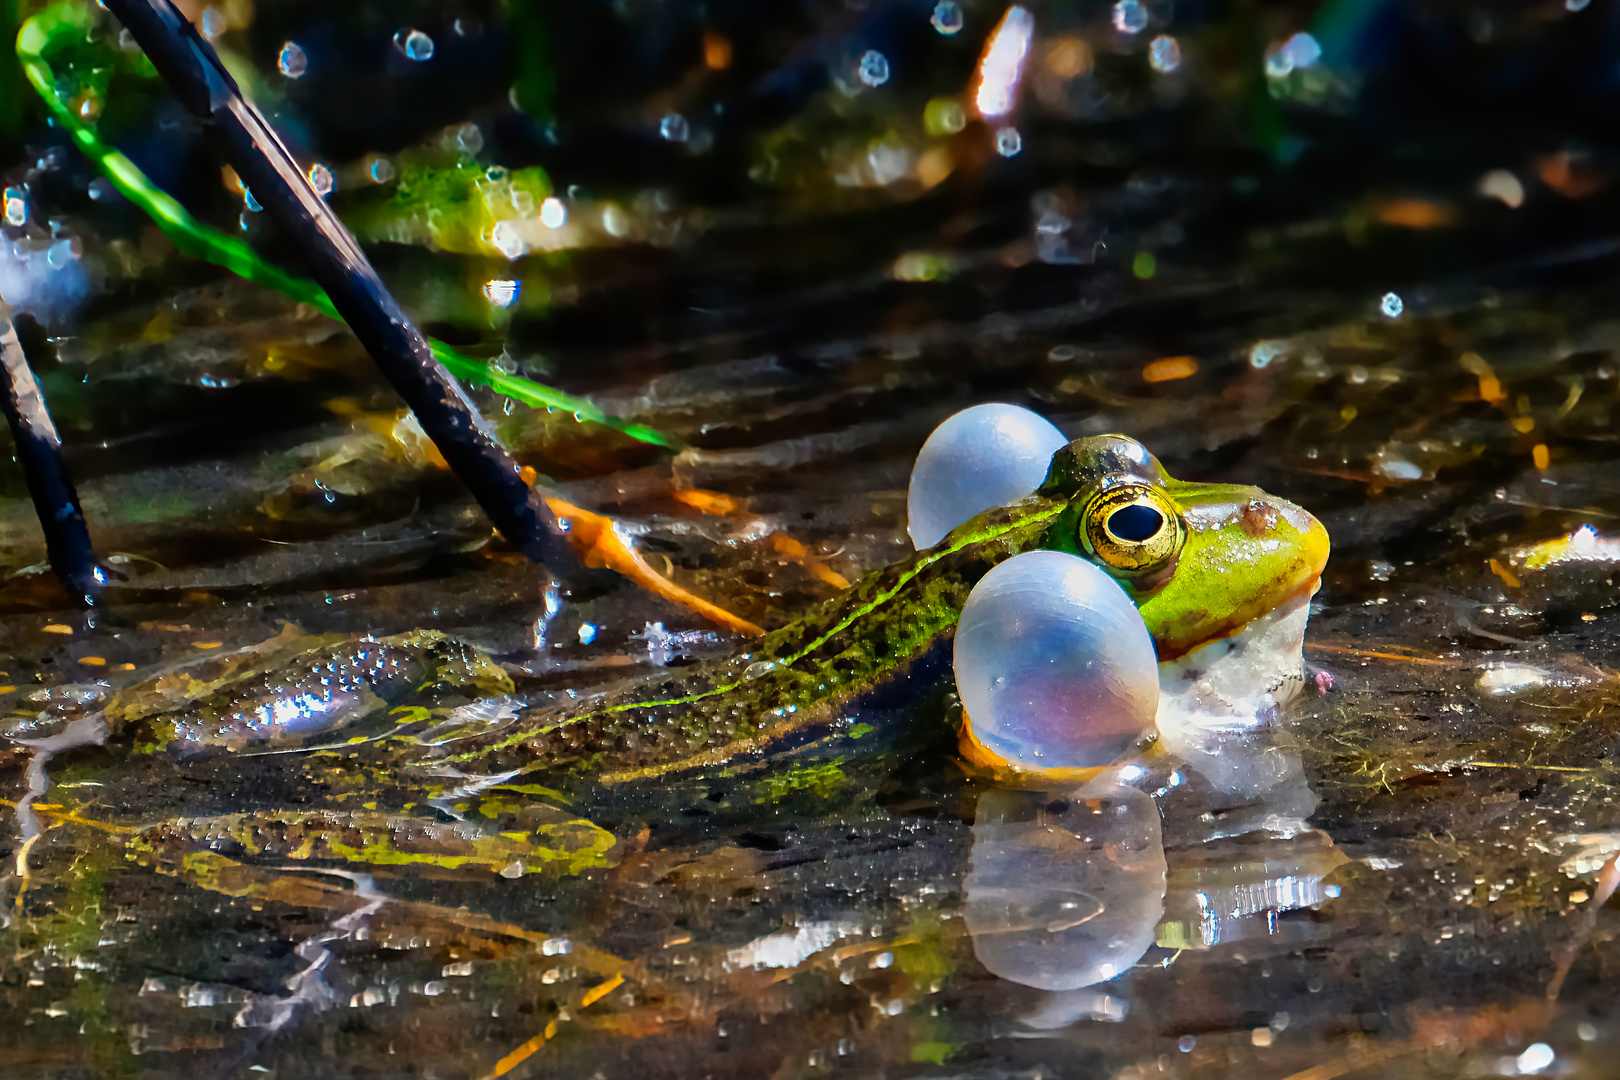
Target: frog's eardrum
(983,457)
(1054,664)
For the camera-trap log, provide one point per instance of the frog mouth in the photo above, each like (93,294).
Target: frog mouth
(1267,552)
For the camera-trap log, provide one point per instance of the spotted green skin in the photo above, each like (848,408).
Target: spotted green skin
(1245,553)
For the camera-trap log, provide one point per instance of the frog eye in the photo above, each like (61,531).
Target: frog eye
(1131,528)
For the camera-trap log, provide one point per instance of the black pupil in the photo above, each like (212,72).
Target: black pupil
(1135,523)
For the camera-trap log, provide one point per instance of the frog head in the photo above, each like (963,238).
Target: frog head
(1202,561)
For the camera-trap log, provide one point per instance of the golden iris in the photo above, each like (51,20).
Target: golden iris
(1132,529)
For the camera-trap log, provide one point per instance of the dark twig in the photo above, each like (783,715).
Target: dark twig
(39,451)
(194,73)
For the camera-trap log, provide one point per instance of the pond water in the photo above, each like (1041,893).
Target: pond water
(1371,270)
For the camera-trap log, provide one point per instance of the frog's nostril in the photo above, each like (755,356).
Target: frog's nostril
(1135,523)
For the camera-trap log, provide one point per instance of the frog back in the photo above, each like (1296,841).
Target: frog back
(793,681)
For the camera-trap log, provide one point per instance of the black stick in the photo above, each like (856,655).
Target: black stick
(39,451)
(194,74)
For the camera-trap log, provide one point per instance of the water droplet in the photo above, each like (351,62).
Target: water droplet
(250,202)
(1186,1043)
(1130,16)
(1008,142)
(587,633)
(944,117)
(874,68)
(322,179)
(382,171)
(1297,53)
(1164,54)
(212,24)
(947,17)
(1303,51)
(553,213)
(415,45)
(467,139)
(1536,1058)
(1262,353)
(507,238)
(16,207)
(1391,306)
(674,128)
(502,292)
(101,190)
(292,61)
(1503,185)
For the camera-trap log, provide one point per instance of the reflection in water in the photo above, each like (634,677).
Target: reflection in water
(1065,1007)
(88,730)
(1071,892)
(1240,851)
(309,985)
(1233,781)
(1233,889)
(1065,893)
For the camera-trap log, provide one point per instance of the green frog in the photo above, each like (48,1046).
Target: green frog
(1222,575)
(1222,579)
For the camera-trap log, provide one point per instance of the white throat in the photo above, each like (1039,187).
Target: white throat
(1217,711)
(1239,681)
